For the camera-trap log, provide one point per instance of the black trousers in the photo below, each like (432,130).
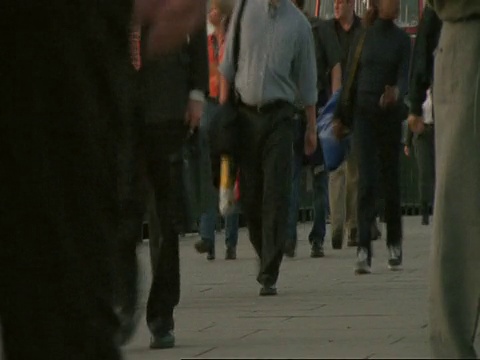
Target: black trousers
(265,157)
(164,169)
(378,142)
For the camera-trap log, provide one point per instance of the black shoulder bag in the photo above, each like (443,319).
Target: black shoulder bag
(223,134)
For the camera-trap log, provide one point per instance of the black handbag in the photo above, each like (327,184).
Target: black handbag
(224,133)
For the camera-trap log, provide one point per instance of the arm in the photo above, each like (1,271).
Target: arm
(304,70)
(334,58)
(422,64)
(198,74)
(403,69)
(336,78)
(227,68)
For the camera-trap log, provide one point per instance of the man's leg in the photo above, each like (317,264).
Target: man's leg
(455,271)
(317,234)
(337,190)
(366,147)
(231,236)
(208,219)
(291,243)
(389,140)
(277,184)
(351,175)
(423,153)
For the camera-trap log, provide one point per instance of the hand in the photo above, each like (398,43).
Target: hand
(339,129)
(389,97)
(406,150)
(194,113)
(416,124)
(170,21)
(310,140)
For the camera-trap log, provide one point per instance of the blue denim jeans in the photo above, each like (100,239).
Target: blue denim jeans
(208,219)
(317,234)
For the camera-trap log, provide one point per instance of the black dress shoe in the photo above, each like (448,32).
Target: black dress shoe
(317,251)
(202,246)
(268,290)
(163,341)
(289,250)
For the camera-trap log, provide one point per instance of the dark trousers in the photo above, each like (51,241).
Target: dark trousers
(377,140)
(265,156)
(164,169)
(425,154)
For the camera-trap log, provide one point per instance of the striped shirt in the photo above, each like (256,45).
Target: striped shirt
(277,54)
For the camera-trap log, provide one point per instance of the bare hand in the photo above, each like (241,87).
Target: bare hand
(389,97)
(194,113)
(310,140)
(339,129)
(416,124)
(170,21)
(406,150)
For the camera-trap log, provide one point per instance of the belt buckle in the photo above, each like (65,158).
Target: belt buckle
(259,109)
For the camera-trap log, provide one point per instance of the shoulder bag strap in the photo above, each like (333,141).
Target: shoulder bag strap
(354,66)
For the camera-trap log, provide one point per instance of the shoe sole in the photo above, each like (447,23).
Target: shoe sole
(395,267)
(162,346)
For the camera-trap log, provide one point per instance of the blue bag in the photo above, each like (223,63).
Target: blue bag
(334,151)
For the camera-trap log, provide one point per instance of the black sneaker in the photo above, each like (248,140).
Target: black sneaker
(317,251)
(163,341)
(364,262)
(395,257)
(230,253)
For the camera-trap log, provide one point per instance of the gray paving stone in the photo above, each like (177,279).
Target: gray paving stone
(322,311)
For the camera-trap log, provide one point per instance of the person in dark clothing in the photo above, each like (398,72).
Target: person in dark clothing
(328,56)
(377,94)
(66,99)
(343,182)
(170,118)
(421,80)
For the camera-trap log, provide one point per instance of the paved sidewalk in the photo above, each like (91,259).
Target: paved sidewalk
(322,311)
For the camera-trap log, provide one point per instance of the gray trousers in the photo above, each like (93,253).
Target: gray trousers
(455,267)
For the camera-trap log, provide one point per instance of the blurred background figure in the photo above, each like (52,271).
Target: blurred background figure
(219,17)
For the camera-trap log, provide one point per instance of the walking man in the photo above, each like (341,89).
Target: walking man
(276,62)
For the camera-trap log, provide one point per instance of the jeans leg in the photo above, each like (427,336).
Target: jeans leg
(208,221)
(231,230)
(317,234)
(366,150)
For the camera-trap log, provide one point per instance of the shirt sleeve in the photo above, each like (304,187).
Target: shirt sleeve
(304,66)
(227,68)
(333,51)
